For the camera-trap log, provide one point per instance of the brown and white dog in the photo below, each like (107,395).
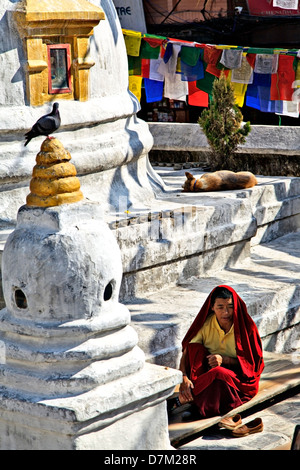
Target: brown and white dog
(219,181)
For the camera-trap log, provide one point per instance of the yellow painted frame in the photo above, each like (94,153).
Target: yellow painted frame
(44,22)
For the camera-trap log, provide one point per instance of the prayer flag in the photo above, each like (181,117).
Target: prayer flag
(175,88)
(133,42)
(154,90)
(243,74)
(282,81)
(232,58)
(197,97)
(135,86)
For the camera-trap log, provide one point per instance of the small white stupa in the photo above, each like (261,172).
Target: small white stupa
(72,375)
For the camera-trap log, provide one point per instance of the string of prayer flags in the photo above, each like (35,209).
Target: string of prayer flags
(266,79)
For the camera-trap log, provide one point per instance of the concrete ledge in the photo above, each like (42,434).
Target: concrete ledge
(91,421)
(269,150)
(186,136)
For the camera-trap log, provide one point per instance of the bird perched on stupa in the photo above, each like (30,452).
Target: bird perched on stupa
(45,125)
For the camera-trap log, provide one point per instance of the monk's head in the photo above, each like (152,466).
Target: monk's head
(222,306)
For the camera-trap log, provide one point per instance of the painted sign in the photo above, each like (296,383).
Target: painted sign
(131,14)
(266,8)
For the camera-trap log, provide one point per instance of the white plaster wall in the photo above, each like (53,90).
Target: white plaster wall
(11,59)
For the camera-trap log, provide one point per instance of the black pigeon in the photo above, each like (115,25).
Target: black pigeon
(45,125)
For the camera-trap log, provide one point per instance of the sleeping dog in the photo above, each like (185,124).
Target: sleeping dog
(219,181)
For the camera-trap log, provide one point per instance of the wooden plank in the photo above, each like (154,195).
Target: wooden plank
(280,374)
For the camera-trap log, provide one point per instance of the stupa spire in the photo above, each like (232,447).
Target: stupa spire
(54,181)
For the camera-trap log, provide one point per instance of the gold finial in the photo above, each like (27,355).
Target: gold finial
(54,181)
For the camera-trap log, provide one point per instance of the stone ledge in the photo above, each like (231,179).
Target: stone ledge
(69,421)
(189,137)
(269,150)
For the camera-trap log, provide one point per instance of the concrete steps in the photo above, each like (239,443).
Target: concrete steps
(248,239)
(265,271)
(269,283)
(177,250)
(264,268)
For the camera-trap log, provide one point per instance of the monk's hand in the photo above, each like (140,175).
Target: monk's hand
(185,390)
(214,360)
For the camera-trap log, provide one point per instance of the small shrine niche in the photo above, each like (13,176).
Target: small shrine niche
(56,41)
(59,69)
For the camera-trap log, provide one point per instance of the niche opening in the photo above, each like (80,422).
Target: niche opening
(20,299)
(108,291)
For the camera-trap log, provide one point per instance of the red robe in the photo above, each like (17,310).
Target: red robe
(220,389)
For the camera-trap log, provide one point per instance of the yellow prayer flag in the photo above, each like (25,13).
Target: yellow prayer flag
(135,86)
(132,41)
(239,91)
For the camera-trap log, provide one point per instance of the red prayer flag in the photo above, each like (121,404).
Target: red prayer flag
(197,97)
(282,81)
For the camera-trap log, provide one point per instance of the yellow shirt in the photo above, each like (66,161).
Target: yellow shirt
(215,339)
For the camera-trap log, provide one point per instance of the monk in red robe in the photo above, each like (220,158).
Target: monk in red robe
(222,356)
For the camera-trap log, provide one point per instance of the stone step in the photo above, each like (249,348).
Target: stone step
(279,423)
(273,201)
(268,282)
(193,234)
(280,378)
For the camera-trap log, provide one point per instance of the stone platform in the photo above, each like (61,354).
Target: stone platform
(279,420)
(279,379)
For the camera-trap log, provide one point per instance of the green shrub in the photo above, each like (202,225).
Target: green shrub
(222,123)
